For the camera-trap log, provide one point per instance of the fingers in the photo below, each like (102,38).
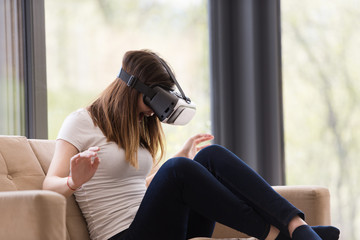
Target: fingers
(94,149)
(199,138)
(91,154)
(88,154)
(96,162)
(206,135)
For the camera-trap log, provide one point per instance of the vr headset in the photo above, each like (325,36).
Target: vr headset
(169,106)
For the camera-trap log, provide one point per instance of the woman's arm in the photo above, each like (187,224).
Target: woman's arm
(67,158)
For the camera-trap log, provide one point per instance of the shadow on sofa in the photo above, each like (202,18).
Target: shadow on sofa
(27,212)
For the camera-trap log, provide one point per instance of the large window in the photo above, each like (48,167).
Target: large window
(86,41)
(321,59)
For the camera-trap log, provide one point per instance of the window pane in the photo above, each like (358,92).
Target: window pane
(12,112)
(87,39)
(321,59)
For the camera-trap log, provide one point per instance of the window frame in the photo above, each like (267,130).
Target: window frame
(33,20)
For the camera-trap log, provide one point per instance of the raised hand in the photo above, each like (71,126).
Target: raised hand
(83,166)
(191,146)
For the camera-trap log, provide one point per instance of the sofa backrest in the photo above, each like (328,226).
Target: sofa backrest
(23,166)
(19,167)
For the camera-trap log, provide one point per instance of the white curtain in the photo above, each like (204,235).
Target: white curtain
(12,103)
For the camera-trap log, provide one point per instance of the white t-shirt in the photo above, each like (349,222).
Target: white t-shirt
(110,200)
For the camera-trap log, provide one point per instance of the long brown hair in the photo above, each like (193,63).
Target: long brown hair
(115,112)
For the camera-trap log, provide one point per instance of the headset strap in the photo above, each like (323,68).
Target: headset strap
(174,79)
(133,82)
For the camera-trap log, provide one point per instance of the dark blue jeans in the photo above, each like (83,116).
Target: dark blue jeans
(186,198)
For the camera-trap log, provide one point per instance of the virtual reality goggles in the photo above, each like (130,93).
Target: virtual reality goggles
(169,106)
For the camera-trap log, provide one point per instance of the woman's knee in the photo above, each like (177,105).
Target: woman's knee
(179,170)
(210,153)
(178,164)
(214,148)
(216,154)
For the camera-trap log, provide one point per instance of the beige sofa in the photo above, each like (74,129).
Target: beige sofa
(27,212)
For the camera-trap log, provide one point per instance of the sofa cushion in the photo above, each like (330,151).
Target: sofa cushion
(44,151)
(19,167)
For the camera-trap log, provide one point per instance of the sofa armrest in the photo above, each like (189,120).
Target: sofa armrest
(314,201)
(33,214)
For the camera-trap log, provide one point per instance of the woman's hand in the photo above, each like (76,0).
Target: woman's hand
(191,147)
(83,167)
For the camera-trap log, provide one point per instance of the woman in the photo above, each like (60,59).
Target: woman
(112,145)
